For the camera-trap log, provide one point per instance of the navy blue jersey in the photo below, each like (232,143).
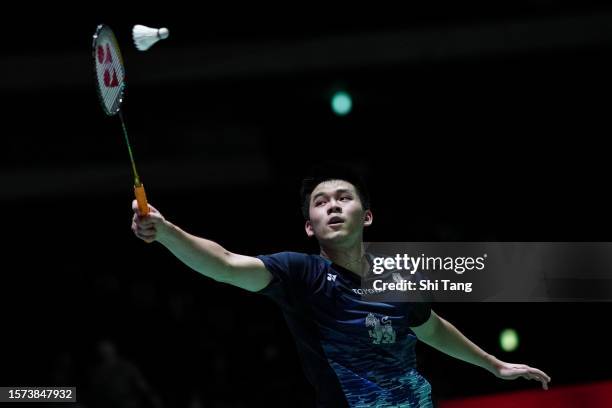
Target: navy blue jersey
(355,353)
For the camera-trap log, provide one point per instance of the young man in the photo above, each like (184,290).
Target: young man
(355,353)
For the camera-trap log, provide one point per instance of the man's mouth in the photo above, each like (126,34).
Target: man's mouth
(335,221)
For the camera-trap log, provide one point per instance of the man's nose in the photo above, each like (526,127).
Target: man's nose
(333,207)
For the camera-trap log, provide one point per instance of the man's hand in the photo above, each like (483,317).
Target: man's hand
(443,336)
(150,227)
(509,371)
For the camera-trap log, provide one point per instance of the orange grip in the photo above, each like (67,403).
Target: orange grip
(141,198)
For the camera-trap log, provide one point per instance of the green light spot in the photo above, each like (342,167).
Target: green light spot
(341,103)
(508,340)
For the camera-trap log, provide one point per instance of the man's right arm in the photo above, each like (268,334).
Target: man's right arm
(204,256)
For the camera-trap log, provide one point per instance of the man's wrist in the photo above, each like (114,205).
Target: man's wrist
(166,233)
(491,363)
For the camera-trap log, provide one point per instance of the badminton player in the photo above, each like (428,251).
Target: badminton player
(355,353)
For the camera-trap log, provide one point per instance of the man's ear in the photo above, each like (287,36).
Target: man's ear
(308,228)
(368,218)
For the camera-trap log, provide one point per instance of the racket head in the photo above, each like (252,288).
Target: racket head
(109,69)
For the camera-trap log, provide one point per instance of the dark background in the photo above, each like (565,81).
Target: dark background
(470,123)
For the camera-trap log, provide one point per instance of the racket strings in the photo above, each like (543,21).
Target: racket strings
(113,80)
(110,72)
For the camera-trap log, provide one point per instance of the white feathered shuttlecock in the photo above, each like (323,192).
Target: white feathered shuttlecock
(144,37)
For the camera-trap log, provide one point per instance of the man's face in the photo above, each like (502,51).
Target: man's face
(336,214)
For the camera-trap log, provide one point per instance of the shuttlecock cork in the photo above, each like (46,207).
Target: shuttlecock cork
(144,37)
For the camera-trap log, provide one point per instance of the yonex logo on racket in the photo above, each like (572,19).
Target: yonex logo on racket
(105,58)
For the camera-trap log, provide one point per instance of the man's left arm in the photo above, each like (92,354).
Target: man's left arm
(443,336)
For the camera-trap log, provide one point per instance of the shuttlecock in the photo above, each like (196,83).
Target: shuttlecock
(144,37)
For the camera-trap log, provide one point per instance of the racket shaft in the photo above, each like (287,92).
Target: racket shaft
(141,198)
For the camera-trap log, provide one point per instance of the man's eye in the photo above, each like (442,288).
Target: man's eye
(345,198)
(318,203)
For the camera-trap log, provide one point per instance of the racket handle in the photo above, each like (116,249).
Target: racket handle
(141,198)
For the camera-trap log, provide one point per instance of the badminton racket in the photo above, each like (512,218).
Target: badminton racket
(110,80)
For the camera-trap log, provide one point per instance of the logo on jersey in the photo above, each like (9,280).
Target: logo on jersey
(331,277)
(382,330)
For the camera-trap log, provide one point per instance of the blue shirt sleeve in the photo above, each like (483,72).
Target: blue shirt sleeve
(288,272)
(419,314)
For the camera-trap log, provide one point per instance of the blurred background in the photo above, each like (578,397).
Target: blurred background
(470,123)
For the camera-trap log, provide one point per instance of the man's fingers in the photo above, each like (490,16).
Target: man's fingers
(144,221)
(544,382)
(147,238)
(147,220)
(512,371)
(145,230)
(541,374)
(542,378)
(148,230)
(145,226)
(146,235)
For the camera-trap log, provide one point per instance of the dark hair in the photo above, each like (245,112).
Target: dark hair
(326,172)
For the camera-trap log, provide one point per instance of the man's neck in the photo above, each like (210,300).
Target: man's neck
(352,258)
